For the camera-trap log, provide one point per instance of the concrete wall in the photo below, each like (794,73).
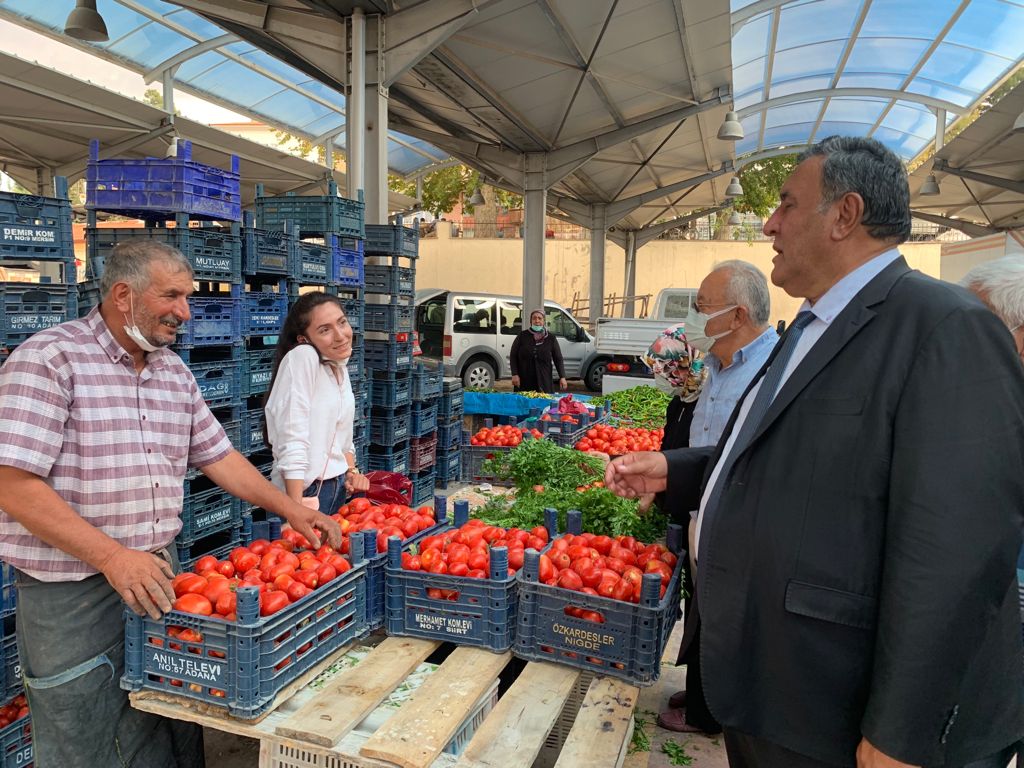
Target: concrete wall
(496,266)
(959,258)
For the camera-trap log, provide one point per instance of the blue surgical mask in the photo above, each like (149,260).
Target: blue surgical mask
(536,328)
(694,327)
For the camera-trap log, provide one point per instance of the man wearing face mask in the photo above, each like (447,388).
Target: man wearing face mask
(100,423)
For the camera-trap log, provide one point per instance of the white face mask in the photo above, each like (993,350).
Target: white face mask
(696,322)
(135,334)
(664,385)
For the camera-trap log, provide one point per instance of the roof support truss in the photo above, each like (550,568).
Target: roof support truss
(993,181)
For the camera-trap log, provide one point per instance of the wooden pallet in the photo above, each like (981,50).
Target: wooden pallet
(311,728)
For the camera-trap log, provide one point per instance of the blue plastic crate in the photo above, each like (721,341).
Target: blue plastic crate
(356,364)
(473,458)
(388,318)
(313,215)
(390,280)
(448,465)
(347,264)
(354,313)
(218,381)
(424,419)
(16,744)
(159,188)
(215,253)
(389,426)
(628,644)
(36,227)
(449,436)
(450,406)
(252,431)
(215,321)
(426,382)
(390,355)
(257,367)
(11,663)
(31,307)
(313,261)
(242,666)
(422,487)
(477,612)
(208,512)
(8,592)
(267,252)
(390,390)
(233,429)
(264,313)
(392,240)
(217,544)
(389,458)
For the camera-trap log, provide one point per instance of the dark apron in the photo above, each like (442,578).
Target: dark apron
(71,649)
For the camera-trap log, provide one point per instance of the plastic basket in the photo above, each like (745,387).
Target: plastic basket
(16,744)
(426,383)
(313,261)
(391,355)
(215,321)
(8,592)
(32,307)
(565,433)
(252,431)
(264,313)
(347,264)
(313,215)
(218,381)
(388,318)
(208,512)
(388,427)
(257,369)
(422,453)
(354,312)
(217,544)
(356,364)
(215,253)
(422,487)
(390,390)
(448,465)
(424,420)
(390,281)
(628,644)
(449,436)
(266,252)
(241,666)
(12,681)
(450,406)
(473,458)
(481,613)
(390,458)
(159,188)
(392,240)
(36,227)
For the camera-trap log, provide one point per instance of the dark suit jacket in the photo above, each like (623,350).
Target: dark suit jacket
(859,576)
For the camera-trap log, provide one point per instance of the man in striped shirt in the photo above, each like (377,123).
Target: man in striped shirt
(100,422)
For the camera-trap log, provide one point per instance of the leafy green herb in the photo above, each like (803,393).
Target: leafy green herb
(640,742)
(641,406)
(677,752)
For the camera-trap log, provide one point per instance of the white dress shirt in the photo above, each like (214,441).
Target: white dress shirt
(825,310)
(309,418)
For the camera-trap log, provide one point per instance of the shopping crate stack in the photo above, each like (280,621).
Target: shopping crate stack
(196,209)
(35,235)
(390,273)
(426,397)
(448,464)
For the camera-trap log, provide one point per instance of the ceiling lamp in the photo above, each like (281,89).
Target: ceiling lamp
(734,219)
(1018,124)
(734,189)
(85,23)
(477,198)
(930,186)
(730,130)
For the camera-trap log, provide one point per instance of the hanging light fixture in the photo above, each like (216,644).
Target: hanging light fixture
(85,23)
(734,189)
(477,198)
(730,130)
(734,219)
(930,186)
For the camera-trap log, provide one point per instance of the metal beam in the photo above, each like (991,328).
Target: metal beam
(654,231)
(876,93)
(967,227)
(993,181)
(769,64)
(844,57)
(791,149)
(622,208)
(743,15)
(177,59)
(415,32)
(77,167)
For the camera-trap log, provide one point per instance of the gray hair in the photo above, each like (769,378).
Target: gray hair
(747,287)
(129,262)
(1000,284)
(865,166)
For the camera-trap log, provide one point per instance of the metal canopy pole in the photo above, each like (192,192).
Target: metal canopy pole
(355,106)
(597,234)
(535,202)
(628,309)
(169,90)
(376,154)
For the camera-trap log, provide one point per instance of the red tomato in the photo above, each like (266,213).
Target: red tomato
(546,569)
(227,602)
(297,591)
(325,573)
(307,578)
(188,583)
(205,563)
(570,580)
(561,560)
(226,567)
(193,603)
(458,569)
(272,601)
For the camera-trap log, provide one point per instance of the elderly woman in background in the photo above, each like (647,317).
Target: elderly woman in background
(532,355)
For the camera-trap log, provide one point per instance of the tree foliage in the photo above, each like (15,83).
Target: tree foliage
(155,98)
(761,182)
(444,188)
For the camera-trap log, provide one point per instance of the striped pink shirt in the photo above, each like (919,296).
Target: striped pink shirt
(115,444)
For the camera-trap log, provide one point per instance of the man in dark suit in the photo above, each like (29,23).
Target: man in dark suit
(860,519)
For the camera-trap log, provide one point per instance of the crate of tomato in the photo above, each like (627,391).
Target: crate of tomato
(601,604)
(488,442)
(15,734)
(243,628)
(618,441)
(459,585)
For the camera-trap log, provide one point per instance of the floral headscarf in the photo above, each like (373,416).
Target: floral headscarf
(678,363)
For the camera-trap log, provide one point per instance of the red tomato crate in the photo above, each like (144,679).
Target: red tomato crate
(16,744)
(241,666)
(482,613)
(630,642)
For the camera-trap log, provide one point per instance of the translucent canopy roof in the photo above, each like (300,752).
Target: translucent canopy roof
(147,34)
(808,69)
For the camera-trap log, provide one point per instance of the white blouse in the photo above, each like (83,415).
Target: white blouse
(306,407)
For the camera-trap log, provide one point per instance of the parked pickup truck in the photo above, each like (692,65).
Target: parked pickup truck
(620,341)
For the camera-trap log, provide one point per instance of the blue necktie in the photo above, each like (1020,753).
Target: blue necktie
(758,409)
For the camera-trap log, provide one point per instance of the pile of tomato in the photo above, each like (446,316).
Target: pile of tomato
(506,435)
(13,711)
(387,519)
(466,551)
(601,565)
(617,442)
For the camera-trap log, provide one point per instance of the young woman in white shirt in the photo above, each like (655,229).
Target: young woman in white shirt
(310,409)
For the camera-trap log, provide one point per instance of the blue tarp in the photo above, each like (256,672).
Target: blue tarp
(505,403)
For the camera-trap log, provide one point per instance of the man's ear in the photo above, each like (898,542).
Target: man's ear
(121,297)
(849,210)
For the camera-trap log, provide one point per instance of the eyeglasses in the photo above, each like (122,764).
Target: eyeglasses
(702,307)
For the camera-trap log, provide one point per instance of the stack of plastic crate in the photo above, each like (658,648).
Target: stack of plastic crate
(426,396)
(195,208)
(390,271)
(35,235)
(449,433)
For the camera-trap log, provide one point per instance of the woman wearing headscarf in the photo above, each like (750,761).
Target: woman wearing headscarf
(532,355)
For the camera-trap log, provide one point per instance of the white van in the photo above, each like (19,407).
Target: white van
(472,334)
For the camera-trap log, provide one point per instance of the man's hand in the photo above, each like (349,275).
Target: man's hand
(646,502)
(868,756)
(142,579)
(635,474)
(356,482)
(308,521)
(515,380)
(562,384)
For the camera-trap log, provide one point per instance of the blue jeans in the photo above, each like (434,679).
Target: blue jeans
(331,493)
